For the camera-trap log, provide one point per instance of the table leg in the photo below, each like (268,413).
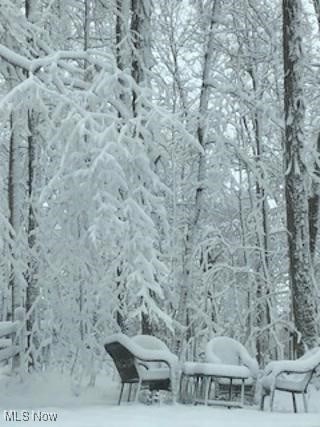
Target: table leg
(206,389)
(242,392)
(230,390)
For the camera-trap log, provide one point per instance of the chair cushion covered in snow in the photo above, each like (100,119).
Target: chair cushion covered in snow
(155,374)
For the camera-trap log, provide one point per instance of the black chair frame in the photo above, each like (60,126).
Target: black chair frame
(127,366)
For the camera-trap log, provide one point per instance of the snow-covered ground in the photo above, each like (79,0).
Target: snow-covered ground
(40,397)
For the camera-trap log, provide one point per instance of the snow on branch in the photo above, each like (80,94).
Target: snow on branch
(59,58)
(14,58)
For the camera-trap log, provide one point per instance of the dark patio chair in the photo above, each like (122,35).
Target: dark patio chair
(133,365)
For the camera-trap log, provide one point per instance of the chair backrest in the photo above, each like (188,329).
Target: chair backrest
(150,342)
(124,361)
(230,352)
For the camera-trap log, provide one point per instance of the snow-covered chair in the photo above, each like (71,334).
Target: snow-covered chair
(138,364)
(223,351)
(228,351)
(228,366)
(292,376)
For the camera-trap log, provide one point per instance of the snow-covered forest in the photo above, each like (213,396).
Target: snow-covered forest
(160,175)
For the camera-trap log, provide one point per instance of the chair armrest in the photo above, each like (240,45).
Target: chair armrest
(288,366)
(291,372)
(296,372)
(143,364)
(140,360)
(273,375)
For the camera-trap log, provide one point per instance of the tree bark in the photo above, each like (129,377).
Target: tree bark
(316,5)
(139,35)
(300,266)
(314,199)
(32,290)
(313,204)
(13,178)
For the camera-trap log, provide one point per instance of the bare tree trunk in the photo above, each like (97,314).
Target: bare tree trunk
(263,310)
(300,266)
(193,227)
(140,18)
(16,296)
(32,290)
(139,35)
(316,5)
(314,199)
(122,55)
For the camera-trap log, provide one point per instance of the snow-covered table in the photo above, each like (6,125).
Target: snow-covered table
(197,378)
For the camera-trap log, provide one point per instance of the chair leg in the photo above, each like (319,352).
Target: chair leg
(272,399)
(129,393)
(138,391)
(230,389)
(210,387)
(184,388)
(202,388)
(216,389)
(263,396)
(181,397)
(305,402)
(121,392)
(195,390)
(206,389)
(242,392)
(294,402)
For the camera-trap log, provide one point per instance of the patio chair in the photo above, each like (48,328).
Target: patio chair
(292,376)
(224,350)
(228,351)
(135,365)
(228,367)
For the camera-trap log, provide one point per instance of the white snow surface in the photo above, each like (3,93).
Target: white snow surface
(96,407)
